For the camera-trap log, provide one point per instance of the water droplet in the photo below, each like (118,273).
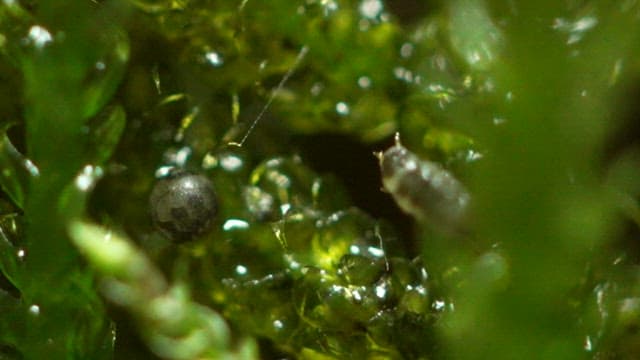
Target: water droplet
(177,157)
(342,108)
(235,224)
(439,305)
(241,270)
(278,324)
(423,273)
(231,162)
(88,177)
(31,168)
(39,36)
(375,251)
(585,23)
(381,291)
(100,66)
(371,9)
(364,82)
(293,264)
(260,203)
(21,253)
(329,7)
(473,155)
(284,208)
(316,89)
(279,179)
(588,346)
(406,50)
(356,295)
(182,155)
(474,57)
(488,85)
(214,59)
(163,171)
(509,96)
(34,310)
(337,289)
(575,29)
(403,74)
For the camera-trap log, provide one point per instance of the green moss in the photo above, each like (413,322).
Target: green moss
(525,102)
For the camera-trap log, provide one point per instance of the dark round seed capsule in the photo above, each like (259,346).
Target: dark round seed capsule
(183,205)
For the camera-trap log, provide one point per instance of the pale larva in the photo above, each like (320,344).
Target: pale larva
(424,189)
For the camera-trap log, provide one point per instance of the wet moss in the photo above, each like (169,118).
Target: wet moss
(98,100)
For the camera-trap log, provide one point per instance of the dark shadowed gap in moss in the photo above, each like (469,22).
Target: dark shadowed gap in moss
(358,169)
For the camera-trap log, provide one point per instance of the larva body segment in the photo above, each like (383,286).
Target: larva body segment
(424,189)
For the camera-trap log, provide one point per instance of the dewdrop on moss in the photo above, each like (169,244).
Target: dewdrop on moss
(424,189)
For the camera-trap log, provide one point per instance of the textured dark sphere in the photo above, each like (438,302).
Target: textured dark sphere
(183,205)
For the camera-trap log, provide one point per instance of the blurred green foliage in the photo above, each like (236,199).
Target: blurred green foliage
(531,104)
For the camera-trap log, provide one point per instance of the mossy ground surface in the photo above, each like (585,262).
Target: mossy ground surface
(531,105)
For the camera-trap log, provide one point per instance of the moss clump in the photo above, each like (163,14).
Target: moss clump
(526,103)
